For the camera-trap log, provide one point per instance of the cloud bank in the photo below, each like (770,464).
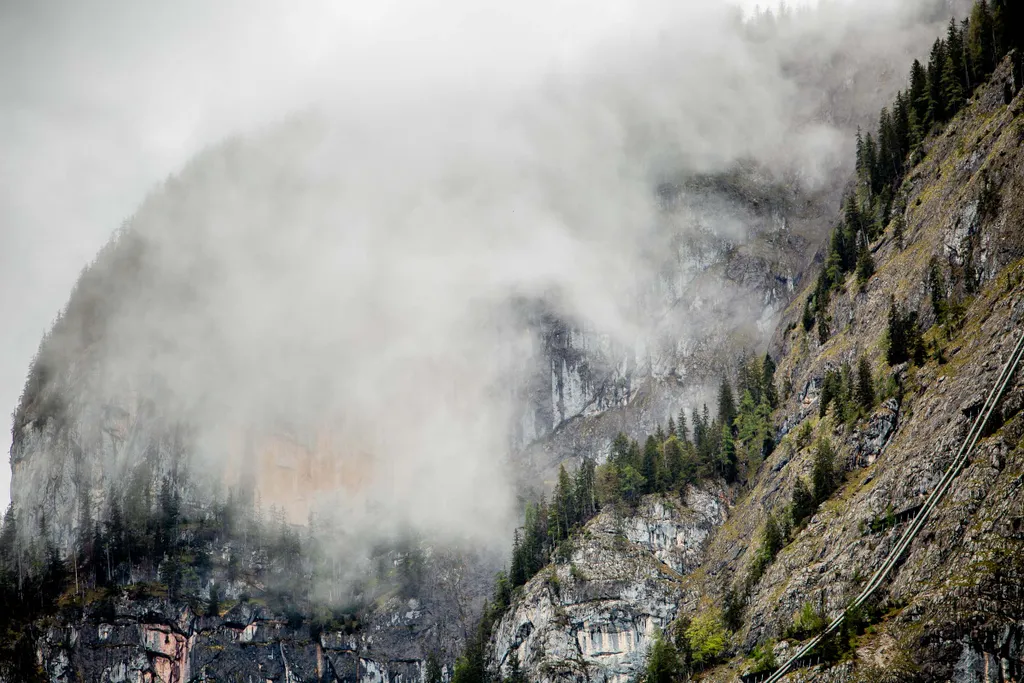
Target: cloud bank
(338,285)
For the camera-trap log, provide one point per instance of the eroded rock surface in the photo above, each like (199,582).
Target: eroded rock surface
(591,617)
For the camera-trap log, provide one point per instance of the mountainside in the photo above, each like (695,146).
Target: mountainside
(221,470)
(952,609)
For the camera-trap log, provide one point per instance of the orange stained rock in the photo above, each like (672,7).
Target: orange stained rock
(290,473)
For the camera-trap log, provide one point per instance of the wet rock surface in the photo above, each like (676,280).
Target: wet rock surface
(591,617)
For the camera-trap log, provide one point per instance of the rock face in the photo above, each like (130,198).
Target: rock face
(713,297)
(82,437)
(144,642)
(940,621)
(591,617)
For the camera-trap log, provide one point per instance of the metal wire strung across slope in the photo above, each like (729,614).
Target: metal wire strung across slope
(896,554)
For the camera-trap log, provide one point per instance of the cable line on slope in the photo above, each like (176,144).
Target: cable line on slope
(896,554)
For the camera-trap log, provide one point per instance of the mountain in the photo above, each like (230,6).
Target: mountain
(776,567)
(255,444)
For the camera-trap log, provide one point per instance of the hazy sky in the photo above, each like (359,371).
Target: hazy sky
(101,100)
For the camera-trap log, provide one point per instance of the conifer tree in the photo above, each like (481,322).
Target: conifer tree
(726,403)
(698,429)
(952,70)
(681,429)
(865,262)
(663,662)
(649,470)
(676,472)
(919,92)
(769,390)
(585,493)
(434,673)
(802,502)
(746,420)
(561,512)
(517,573)
(865,384)
(823,331)
(936,94)
(937,287)
(808,315)
(896,351)
(980,41)
(515,670)
(899,229)
(727,455)
(824,477)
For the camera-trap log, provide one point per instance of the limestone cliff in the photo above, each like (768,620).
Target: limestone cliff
(591,616)
(952,611)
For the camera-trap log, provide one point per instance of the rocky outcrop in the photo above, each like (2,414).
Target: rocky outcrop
(714,296)
(948,612)
(148,641)
(590,617)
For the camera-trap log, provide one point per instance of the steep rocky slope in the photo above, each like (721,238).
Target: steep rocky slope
(892,458)
(591,616)
(94,433)
(952,611)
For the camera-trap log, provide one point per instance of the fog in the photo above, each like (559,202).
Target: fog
(345,269)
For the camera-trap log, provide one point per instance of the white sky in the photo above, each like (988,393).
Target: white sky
(101,100)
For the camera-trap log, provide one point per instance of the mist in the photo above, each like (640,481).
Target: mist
(335,285)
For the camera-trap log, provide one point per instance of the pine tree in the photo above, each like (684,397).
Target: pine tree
(698,429)
(676,471)
(899,229)
(434,673)
(824,478)
(823,331)
(1000,37)
(953,70)
(801,503)
(726,403)
(937,287)
(808,316)
(727,455)
(517,570)
(901,129)
(584,493)
(919,92)
(772,538)
(663,662)
(750,376)
(768,388)
(865,384)
(766,440)
(846,239)
(620,450)
(213,605)
(936,94)
(865,262)
(681,429)
(887,151)
(980,41)
(562,507)
(515,671)
(650,468)
(746,420)
(871,178)
(671,426)
(896,350)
